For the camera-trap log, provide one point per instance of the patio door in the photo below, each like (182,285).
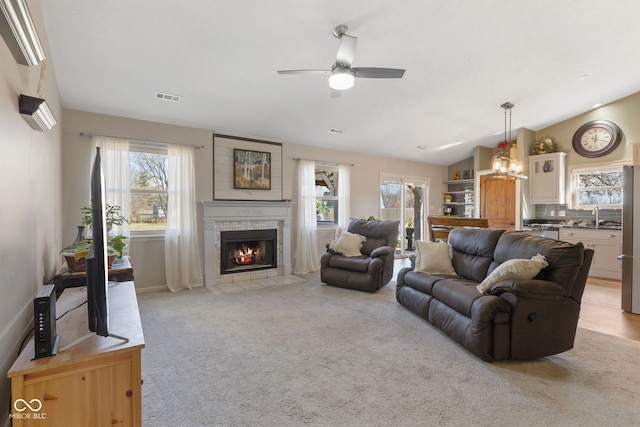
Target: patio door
(403,199)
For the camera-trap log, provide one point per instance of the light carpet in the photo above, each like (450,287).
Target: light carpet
(310,354)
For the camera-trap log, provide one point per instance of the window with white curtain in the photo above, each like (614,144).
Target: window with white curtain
(149,188)
(596,185)
(327,203)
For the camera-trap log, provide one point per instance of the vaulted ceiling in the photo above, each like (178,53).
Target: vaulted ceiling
(463,59)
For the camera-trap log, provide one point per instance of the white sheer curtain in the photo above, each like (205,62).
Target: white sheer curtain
(307,258)
(115,166)
(182,257)
(344,196)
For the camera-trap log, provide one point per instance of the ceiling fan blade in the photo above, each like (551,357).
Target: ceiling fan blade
(304,71)
(378,73)
(346,50)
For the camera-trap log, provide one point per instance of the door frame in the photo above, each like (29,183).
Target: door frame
(403,180)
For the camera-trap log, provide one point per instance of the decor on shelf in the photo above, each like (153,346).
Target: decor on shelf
(502,164)
(19,33)
(447,198)
(544,146)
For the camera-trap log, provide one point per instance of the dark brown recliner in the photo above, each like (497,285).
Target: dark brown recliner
(374,268)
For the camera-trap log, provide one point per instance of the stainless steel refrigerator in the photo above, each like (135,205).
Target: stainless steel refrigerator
(630,239)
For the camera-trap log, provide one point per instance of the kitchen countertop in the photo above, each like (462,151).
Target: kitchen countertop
(535,224)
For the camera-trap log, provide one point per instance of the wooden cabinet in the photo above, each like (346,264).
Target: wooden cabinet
(462,197)
(95,382)
(547,178)
(606,245)
(498,202)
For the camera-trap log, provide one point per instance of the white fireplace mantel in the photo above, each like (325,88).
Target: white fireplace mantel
(230,215)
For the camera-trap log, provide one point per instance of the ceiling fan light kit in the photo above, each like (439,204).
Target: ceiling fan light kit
(342,76)
(341,80)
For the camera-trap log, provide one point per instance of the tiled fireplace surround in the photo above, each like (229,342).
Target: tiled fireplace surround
(245,215)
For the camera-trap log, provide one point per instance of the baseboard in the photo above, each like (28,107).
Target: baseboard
(148,289)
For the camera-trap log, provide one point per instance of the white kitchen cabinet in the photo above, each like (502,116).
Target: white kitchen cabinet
(606,245)
(547,178)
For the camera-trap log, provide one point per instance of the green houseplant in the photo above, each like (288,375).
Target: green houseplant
(76,253)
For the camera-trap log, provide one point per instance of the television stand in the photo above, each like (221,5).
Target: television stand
(89,335)
(93,382)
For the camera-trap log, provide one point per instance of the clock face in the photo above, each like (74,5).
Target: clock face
(597,138)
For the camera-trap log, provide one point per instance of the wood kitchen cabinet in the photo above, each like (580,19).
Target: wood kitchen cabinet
(498,202)
(547,178)
(606,245)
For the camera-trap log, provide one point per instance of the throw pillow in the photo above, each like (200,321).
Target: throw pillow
(513,269)
(433,258)
(346,243)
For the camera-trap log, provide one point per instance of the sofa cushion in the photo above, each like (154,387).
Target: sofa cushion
(565,259)
(360,263)
(433,258)
(457,293)
(378,233)
(473,251)
(347,244)
(513,269)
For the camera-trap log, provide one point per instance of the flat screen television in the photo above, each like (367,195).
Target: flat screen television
(97,266)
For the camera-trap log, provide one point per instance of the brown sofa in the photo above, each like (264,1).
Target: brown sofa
(374,268)
(517,319)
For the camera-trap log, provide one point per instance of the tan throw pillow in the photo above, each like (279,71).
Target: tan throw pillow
(433,258)
(347,244)
(513,269)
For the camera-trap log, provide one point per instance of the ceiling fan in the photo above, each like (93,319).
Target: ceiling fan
(341,74)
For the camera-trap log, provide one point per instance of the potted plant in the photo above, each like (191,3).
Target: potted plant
(76,253)
(409,227)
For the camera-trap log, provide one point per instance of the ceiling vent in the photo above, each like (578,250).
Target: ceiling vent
(168,97)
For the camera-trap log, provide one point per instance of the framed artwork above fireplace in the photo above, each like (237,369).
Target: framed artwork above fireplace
(246,169)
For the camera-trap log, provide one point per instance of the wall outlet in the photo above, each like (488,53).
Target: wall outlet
(552,213)
(561,213)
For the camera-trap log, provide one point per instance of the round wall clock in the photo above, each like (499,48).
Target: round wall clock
(597,138)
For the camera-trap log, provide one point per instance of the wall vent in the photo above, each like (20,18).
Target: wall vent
(168,97)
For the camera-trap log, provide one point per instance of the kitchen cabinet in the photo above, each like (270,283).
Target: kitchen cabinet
(462,198)
(606,245)
(498,202)
(547,178)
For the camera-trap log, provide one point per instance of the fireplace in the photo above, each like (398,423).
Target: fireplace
(248,250)
(221,216)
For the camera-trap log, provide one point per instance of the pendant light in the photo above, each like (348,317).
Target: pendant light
(502,164)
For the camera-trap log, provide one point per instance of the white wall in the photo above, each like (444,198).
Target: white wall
(148,254)
(30,213)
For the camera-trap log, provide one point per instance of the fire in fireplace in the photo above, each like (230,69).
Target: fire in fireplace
(248,250)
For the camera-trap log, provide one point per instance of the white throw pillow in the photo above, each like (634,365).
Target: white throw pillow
(347,244)
(433,258)
(513,269)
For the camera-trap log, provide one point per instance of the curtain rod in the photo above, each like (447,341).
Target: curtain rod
(323,161)
(142,141)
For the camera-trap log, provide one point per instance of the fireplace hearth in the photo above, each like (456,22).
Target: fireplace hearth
(248,250)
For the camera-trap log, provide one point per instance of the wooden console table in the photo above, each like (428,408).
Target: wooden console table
(96,382)
(121,271)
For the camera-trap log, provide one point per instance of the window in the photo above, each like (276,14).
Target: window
(149,187)
(599,185)
(326,195)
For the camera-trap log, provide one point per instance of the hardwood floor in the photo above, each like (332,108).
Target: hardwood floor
(600,310)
